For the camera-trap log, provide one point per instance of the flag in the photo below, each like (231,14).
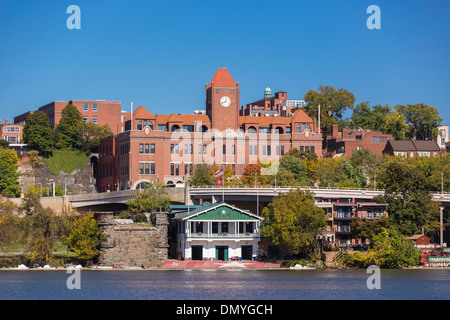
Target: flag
(218,173)
(219,182)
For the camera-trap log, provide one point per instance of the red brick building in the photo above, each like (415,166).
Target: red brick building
(412,148)
(97,111)
(11,132)
(167,146)
(343,143)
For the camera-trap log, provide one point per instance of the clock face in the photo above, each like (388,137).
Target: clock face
(225,101)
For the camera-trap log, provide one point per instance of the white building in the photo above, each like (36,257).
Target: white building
(217,231)
(443,136)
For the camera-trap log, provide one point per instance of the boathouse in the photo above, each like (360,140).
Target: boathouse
(217,231)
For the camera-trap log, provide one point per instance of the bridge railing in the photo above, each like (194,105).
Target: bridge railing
(282,187)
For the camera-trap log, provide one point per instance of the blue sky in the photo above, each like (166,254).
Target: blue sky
(160,54)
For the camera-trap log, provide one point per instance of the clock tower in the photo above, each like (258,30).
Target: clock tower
(222,101)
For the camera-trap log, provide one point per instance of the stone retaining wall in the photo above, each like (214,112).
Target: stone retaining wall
(134,245)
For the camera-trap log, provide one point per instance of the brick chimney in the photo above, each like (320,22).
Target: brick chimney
(334,131)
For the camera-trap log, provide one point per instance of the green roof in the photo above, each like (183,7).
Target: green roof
(217,211)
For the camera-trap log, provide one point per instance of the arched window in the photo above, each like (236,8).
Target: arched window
(175,128)
(279,130)
(251,130)
(299,129)
(139,125)
(203,128)
(308,127)
(150,124)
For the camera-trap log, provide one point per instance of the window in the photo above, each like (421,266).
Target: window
(161,127)
(174,149)
(188,149)
(264,130)
(86,120)
(94,120)
(94,107)
(204,148)
(152,168)
(147,148)
(147,168)
(188,128)
(233,149)
(282,150)
(224,149)
(174,169)
(141,168)
(141,148)
(12,129)
(251,130)
(264,150)
(152,148)
(85,107)
(139,125)
(312,149)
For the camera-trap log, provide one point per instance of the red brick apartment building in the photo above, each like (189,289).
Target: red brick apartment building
(343,143)
(167,146)
(97,111)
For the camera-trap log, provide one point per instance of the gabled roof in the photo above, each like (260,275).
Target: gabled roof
(414,145)
(217,211)
(426,145)
(222,78)
(402,145)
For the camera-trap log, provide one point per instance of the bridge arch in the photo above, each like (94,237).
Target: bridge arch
(140,184)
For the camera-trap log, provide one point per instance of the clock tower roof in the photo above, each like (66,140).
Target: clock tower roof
(222,78)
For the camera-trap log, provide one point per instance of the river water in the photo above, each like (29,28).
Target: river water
(225,284)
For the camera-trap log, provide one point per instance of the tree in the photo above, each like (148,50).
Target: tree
(69,131)
(293,220)
(296,166)
(369,118)
(37,133)
(203,175)
(40,228)
(84,237)
(368,229)
(333,104)
(93,134)
(390,250)
(10,232)
(396,125)
(9,185)
(154,197)
(423,121)
(407,192)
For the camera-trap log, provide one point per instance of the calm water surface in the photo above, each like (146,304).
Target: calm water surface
(233,284)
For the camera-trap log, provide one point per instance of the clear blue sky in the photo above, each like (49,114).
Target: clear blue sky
(162,53)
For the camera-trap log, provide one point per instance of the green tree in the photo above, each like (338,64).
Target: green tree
(9,185)
(296,166)
(407,191)
(84,237)
(368,229)
(369,118)
(153,198)
(423,121)
(69,131)
(390,250)
(37,133)
(396,125)
(293,220)
(93,134)
(333,104)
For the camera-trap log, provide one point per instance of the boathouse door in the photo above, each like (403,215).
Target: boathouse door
(222,253)
(197,252)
